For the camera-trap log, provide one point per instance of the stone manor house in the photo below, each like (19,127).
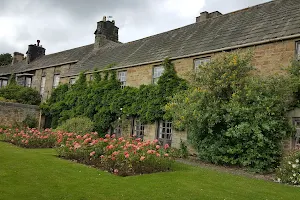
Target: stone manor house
(271,30)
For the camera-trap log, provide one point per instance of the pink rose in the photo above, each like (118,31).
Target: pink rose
(142,158)
(92,153)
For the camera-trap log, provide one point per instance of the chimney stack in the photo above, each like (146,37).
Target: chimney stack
(18,57)
(34,51)
(206,15)
(106,30)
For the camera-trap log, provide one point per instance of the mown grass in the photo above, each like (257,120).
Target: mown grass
(39,174)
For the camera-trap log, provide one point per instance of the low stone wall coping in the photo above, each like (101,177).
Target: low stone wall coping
(2,103)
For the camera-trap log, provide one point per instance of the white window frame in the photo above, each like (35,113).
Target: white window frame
(43,84)
(201,61)
(122,76)
(157,73)
(56,79)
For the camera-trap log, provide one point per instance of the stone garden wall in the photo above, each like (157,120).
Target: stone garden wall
(11,113)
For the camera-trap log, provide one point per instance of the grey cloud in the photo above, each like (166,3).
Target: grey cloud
(64,24)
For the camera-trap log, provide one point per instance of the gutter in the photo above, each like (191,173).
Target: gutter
(199,54)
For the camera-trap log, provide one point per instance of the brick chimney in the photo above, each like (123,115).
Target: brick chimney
(35,51)
(206,15)
(106,31)
(18,57)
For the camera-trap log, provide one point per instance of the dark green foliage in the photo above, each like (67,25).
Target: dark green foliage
(5,59)
(19,93)
(104,102)
(30,122)
(233,118)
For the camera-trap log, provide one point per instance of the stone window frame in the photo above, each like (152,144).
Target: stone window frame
(43,85)
(297,50)
(122,77)
(165,132)
(202,61)
(56,80)
(157,74)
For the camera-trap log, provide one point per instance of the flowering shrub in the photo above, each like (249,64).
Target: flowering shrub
(289,170)
(116,155)
(29,137)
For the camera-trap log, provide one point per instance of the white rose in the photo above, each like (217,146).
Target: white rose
(294,165)
(297,160)
(289,162)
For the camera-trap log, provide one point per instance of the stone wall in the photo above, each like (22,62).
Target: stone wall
(11,113)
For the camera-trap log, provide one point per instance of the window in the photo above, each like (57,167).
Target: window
(138,129)
(122,78)
(3,83)
(72,81)
(56,79)
(200,61)
(43,83)
(165,132)
(296,138)
(91,77)
(298,50)
(28,81)
(157,72)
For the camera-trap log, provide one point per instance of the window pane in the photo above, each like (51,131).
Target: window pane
(201,61)
(4,83)
(157,72)
(122,78)
(28,81)
(56,80)
(43,83)
(72,81)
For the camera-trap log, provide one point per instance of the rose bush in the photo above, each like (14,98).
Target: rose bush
(29,137)
(121,156)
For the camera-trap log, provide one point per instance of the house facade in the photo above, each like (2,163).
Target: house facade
(270,30)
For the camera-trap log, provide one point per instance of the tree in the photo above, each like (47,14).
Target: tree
(5,59)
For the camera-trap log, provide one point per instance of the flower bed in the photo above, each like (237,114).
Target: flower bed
(29,137)
(120,156)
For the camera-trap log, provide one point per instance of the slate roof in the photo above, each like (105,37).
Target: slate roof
(275,19)
(48,60)
(266,21)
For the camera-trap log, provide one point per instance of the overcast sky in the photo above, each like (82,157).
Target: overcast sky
(65,24)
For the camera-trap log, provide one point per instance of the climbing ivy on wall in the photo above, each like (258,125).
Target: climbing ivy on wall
(103,101)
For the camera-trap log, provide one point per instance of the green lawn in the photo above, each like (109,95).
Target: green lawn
(38,174)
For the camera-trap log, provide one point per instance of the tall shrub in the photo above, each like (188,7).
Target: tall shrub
(232,117)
